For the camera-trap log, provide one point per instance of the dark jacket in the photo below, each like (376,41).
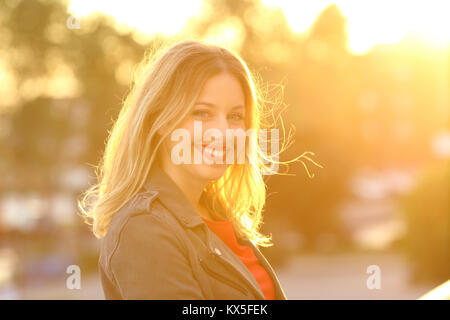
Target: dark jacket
(158,247)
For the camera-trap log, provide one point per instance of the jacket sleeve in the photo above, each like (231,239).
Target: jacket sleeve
(149,262)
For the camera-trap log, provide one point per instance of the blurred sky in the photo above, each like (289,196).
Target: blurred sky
(368,22)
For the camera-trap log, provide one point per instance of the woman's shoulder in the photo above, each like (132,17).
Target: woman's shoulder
(140,204)
(142,249)
(139,219)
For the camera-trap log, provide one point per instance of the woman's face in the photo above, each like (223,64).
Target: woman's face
(203,133)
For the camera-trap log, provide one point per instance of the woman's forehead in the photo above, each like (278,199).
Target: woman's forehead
(222,90)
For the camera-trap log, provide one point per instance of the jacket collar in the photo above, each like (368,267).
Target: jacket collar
(172,197)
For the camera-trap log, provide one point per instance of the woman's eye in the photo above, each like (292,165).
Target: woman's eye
(237,116)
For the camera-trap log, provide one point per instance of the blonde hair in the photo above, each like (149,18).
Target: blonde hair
(164,90)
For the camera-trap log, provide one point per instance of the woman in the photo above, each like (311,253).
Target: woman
(174,229)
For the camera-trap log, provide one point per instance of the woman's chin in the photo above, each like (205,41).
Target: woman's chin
(211,172)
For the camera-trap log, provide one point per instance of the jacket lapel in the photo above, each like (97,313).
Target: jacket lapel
(279,293)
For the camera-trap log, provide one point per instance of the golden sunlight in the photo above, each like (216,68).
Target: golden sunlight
(375,22)
(167,17)
(368,22)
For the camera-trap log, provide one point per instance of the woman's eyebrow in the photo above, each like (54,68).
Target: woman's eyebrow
(211,105)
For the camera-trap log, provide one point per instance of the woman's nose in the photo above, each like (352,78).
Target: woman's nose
(223,125)
(218,129)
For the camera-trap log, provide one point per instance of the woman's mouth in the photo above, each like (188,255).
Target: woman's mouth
(212,153)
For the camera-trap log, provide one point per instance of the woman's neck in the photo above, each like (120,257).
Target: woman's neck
(192,188)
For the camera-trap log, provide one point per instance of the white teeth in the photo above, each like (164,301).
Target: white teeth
(211,152)
(218,153)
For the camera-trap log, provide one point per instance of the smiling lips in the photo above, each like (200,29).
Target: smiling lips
(213,153)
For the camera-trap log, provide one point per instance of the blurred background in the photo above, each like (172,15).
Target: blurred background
(366,85)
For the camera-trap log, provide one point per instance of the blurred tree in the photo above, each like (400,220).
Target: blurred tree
(426,210)
(54,66)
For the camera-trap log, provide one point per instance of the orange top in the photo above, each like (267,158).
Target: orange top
(224,230)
